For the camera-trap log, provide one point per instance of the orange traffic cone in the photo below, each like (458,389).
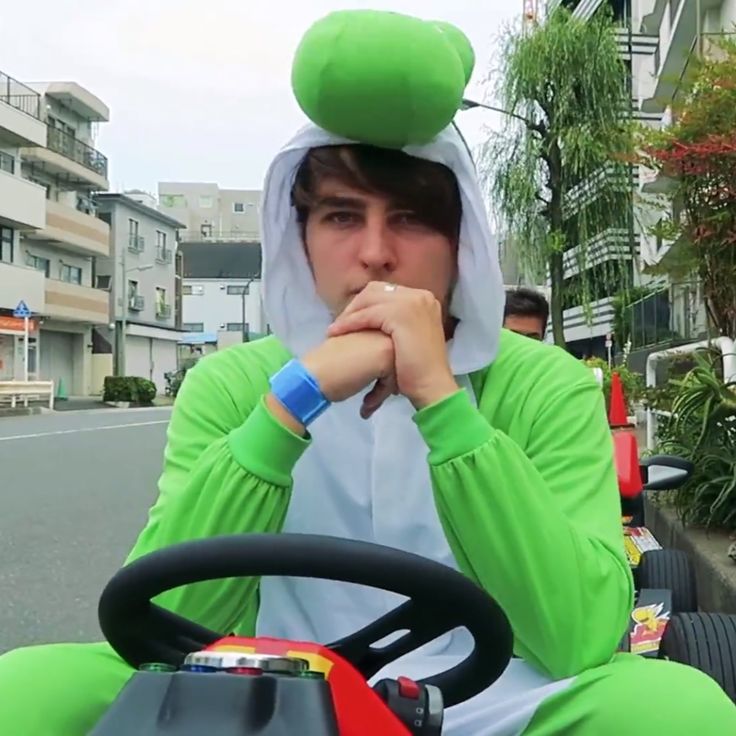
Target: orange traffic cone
(618,416)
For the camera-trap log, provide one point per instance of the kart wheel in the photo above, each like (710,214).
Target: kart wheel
(672,570)
(706,641)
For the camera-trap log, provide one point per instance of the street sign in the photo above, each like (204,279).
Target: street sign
(22,311)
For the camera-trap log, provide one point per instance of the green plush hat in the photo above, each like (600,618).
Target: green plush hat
(382,78)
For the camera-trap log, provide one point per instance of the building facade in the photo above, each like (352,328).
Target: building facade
(658,39)
(140,275)
(211,214)
(222,294)
(49,170)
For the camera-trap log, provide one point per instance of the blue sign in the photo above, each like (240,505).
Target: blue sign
(22,310)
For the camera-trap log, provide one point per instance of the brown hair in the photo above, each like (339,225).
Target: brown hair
(426,188)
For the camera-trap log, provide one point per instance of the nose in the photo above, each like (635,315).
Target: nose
(376,250)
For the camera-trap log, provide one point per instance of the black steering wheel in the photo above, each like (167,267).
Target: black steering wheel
(440,599)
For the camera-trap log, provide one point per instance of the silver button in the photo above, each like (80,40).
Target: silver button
(224,660)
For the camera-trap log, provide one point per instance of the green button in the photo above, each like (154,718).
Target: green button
(157,667)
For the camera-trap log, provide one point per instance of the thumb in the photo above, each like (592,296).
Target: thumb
(382,389)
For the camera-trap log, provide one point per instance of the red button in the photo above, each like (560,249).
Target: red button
(408,688)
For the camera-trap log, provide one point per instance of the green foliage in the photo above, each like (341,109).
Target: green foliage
(703,429)
(129,388)
(558,174)
(633,383)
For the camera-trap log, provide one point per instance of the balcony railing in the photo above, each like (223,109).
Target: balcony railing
(163,254)
(136,243)
(17,95)
(163,311)
(67,145)
(136,303)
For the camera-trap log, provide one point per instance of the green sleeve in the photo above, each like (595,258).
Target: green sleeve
(227,470)
(539,528)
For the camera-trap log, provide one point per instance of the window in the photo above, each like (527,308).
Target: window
(160,297)
(192,290)
(62,126)
(103,282)
(236,327)
(238,207)
(173,200)
(205,202)
(7,162)
(40,264)
(193,326)
(135,242)
(160,239)
(132,289)
(71,274)
(238,290)
(7,236)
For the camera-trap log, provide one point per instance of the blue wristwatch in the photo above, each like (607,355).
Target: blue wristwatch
(298,391)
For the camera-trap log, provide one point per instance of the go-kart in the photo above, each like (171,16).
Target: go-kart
(665,621)
(190,680)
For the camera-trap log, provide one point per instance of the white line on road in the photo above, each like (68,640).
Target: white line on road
(81,429)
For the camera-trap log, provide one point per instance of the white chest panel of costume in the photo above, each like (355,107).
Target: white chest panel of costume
(369,480)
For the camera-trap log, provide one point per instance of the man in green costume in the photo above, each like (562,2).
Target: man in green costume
(429,429)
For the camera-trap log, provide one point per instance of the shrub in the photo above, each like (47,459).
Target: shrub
(129,388)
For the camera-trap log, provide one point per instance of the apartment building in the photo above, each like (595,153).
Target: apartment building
(212,214)
(657,39)
(49,169)
(142,280)
(684,29)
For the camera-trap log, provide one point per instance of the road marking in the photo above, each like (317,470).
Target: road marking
(81,429)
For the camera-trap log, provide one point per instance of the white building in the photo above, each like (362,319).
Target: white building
(210,213)
(222,296)
(49,233)
(141,277)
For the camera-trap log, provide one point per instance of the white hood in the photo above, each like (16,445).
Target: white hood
(299,318)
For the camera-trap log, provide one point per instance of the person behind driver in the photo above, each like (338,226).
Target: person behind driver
(390,406)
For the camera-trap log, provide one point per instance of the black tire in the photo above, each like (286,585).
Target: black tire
(706,641)
(672,570)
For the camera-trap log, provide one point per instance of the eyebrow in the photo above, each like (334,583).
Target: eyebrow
(338,201)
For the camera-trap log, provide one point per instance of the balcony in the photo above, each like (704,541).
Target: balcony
(76,303)
(20,109)
(22,203)
(19,282)
(579,327)
(164,255)
(75,230)
(163,311)
(136,243)
(676,46)
(71,160)
(136,303)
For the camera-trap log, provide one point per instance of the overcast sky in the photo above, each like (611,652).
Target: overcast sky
(199,89)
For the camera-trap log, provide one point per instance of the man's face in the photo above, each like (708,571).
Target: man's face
(526,325)
(353,238)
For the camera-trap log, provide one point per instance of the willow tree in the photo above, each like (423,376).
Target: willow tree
(557,174)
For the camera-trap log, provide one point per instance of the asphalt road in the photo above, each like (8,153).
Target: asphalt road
(75,489)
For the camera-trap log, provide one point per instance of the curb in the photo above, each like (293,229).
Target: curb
(715,573)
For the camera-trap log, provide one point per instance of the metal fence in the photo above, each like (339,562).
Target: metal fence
(17,95)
